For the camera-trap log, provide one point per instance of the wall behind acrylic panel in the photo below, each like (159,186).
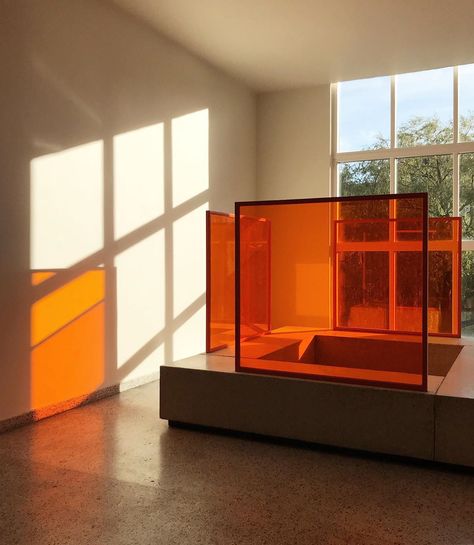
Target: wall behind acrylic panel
(113,143)
(293,143)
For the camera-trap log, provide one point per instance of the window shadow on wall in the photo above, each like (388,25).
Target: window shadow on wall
(117,254)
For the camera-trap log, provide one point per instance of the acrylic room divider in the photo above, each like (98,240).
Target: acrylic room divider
(220,280)
(373,289)
(327,254)
(317,274)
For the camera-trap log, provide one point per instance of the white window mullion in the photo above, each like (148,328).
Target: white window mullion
(393,175)
(455,184)
(400,153)
(455,105)
(467,245)
(334,101)
(455,141)
(393,133)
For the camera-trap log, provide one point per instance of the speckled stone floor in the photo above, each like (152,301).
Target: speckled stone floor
(113,473)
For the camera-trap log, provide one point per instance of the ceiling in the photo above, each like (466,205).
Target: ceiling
(280,44)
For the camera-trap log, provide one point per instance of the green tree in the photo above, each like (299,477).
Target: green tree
(365,178)
(466,203)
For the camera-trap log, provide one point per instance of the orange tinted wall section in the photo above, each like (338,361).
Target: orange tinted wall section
(67,338)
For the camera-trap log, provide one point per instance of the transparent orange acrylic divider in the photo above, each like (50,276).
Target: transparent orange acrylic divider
(444,292)
(220,327)
(375,270)
(331,263)
(220,308)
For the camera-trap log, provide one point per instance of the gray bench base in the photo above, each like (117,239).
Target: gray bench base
(206,391)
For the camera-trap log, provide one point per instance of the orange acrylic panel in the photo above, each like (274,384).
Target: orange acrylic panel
(255,276)
(444,258)
(379,268)
(331,299)
(220,303)
(362,264)
(220,293)
(444,300)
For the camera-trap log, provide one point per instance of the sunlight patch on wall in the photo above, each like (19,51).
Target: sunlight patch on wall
(138,178)
(189,338)
(141,302)
(189,259)
(66,206)
(190,155)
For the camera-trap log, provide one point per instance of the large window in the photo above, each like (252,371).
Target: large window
(408,133)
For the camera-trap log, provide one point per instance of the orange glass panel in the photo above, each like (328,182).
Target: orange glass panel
(363,290)
(444,301)
(220,325)
(444,256)
(380,290)
(332,266)
(254,276)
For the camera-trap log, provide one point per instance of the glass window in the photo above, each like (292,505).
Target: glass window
(467,300)
(466,103)
(425,107)
(466,194)
(433,174)
(364,178)
(424,104)
(364,114)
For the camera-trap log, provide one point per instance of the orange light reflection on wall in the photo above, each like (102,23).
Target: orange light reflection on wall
(67,339)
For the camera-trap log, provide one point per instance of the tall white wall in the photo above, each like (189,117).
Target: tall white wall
(293,143)
(113,142)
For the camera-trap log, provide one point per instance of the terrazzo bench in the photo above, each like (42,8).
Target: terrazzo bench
(437,425)
(454,412)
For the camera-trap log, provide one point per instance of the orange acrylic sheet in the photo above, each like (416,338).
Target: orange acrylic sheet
(220,326)
(379,272)
(220,298)
(321,273)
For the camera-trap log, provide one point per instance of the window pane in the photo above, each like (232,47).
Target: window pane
(467,302)
(364,114)
(466,194)
(466,103)
(433,174)
(425,107)
(364,178)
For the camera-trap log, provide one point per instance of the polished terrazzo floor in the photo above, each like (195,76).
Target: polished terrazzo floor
(113,473)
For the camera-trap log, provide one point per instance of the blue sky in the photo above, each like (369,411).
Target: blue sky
(364,105)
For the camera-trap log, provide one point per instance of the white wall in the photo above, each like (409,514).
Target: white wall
(293,143)
(113,142)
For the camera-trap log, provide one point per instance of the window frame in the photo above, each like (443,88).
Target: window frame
(393,153)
